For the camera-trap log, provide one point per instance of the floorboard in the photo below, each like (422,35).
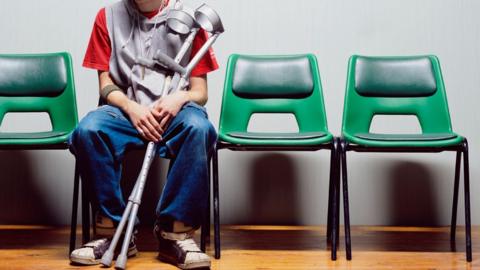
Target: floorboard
(262,248)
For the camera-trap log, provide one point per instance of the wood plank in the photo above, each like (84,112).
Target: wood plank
(262,248)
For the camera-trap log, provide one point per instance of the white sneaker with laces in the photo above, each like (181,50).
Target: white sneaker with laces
(181,250)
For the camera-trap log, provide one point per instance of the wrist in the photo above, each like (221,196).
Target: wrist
(185,96)
(127,106)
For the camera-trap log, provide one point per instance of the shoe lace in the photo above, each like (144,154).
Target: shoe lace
(96,243)
(188,245)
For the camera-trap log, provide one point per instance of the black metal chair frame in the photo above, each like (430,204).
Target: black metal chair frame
(334,178)
(85,212)
(459,149)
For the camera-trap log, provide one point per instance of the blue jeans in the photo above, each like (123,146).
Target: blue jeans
(102,139)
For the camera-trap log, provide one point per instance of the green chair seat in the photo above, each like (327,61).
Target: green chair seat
(396,140)
(406,137)
(276,139)
(33,138)
(277,136)
(403,140)
(30,135)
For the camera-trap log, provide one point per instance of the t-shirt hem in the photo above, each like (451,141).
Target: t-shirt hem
(200,71)
(96,66)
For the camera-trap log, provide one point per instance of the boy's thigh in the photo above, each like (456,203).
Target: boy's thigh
(110,121)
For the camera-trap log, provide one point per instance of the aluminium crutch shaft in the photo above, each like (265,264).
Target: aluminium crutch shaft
(130,213)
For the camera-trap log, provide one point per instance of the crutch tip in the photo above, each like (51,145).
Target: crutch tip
(107,259)
(121,262)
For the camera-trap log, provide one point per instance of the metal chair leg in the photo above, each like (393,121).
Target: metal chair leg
(85,213)
(73,223)
(93,223)
(209,209)
(330,195)
(337,200)
(205,233)
(333,195)
(346,212)
(216,205)
(466,175)
(453,224)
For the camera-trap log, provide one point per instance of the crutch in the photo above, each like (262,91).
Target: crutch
(181,22)
(210,21)
(134,201)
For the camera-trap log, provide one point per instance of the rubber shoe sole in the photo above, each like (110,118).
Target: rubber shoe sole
(89,261)
(195,265)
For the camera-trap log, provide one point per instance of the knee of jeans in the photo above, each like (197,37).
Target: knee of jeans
(200,126)
(88,127)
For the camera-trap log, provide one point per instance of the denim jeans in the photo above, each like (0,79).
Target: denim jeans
(102,139)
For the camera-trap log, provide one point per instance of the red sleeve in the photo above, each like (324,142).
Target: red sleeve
(99,47)
(208,63)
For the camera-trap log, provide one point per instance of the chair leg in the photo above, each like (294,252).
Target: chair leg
(94,223)
(73,223)
(346,212)
(209,201)
(332,201)
(85,213)
(453,224)
(216,205)
(466,175)
(205,233)
(337,199)
(330,195)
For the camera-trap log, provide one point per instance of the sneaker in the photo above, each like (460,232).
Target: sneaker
(91,253)
(180,250)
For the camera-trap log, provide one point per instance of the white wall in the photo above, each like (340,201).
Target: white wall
(275,187)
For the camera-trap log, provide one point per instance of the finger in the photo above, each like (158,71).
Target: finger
(152,131)
(165,121)
(142,133)
(155,124)
(156,113)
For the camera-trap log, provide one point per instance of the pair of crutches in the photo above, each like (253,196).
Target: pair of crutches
(182,23)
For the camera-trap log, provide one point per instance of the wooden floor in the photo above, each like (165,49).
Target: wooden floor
(262,248)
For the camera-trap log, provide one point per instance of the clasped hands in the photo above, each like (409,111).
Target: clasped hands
(151,122)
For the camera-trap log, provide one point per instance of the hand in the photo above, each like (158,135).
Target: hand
(167,107)
(144,121)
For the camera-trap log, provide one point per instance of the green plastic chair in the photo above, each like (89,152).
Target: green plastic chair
(40,83)
(272,84)
(400,86)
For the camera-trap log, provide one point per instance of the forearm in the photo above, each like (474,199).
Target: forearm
(114,98)
(120,100)
(198,91)
(198,97)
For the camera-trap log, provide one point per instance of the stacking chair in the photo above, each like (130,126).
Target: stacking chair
(39,83)
(273,84)
(400,86)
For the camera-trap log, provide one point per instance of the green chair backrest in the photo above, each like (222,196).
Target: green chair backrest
(272,84)
(395,86)
(39,83)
